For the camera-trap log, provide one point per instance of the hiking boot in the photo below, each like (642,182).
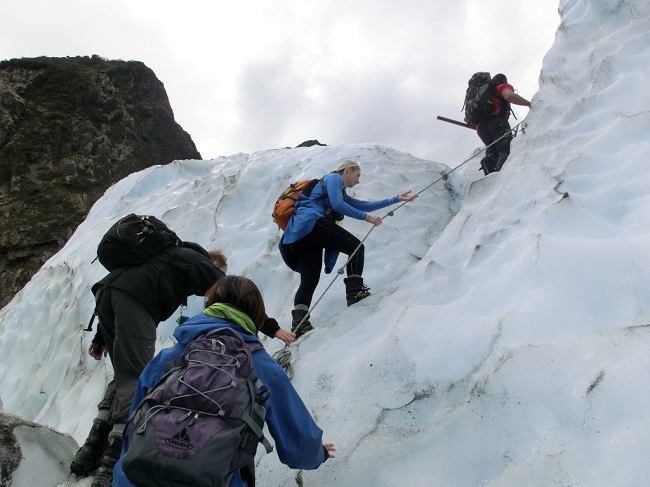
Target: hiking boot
(104,474)
(355,289)
(89,455)
(297,315)
(487,164)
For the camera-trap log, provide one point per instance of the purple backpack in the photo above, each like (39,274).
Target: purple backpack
(203,420)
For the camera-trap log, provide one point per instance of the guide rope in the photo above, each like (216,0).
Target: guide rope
(283,356)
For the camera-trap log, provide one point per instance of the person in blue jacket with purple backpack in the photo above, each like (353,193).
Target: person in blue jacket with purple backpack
(235,302)
(313,228)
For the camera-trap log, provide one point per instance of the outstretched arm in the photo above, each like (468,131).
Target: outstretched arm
(298,440)
(512,97)
(406,196)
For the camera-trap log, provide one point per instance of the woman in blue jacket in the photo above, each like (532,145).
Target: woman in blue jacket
(235,302)
(313,228)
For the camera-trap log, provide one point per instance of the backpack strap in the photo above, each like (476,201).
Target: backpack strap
(506,108)
(310,187)
(256,422)
(324,195)
(92,320)
(247,473)
(322,183)
(99,295)
(255,432)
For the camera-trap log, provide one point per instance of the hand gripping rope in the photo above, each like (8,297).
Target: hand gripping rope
(283,356)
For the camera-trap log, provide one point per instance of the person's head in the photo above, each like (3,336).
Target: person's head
(219,259)
(350,172)
(499,79)
(240,292)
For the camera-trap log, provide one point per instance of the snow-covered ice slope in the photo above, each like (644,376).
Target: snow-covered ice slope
(506,339)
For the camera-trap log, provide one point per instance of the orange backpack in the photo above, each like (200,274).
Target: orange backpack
(283,209)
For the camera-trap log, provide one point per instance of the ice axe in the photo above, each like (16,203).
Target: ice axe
(456,122)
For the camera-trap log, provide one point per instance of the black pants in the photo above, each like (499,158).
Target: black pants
(491,130)
(130,335)
(325,235)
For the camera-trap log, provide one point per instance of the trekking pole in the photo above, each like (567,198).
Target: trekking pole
(444,176)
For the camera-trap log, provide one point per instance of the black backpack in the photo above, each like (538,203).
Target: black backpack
(479,103)
(133,240)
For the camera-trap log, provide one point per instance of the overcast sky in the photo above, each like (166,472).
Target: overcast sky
(244,76)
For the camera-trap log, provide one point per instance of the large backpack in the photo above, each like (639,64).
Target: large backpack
(133,240)
(284,206)
(203,420)
(479,103)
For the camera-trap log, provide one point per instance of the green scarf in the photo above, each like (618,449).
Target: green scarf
(228,312)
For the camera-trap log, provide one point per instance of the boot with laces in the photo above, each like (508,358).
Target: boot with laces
(301,311)
(104,474)
(90,454)
(355,289)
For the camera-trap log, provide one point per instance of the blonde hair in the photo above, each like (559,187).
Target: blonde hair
(341,168)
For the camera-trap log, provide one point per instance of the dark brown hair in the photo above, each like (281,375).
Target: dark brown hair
(240,292)
(499,79)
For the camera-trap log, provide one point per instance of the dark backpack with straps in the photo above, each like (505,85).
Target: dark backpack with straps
(203,420)
(479,98)
(133,240)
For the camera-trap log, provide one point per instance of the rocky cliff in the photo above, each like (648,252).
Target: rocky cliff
(69,129)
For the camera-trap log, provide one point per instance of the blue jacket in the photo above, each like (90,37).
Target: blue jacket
(308,210)
(298,440)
